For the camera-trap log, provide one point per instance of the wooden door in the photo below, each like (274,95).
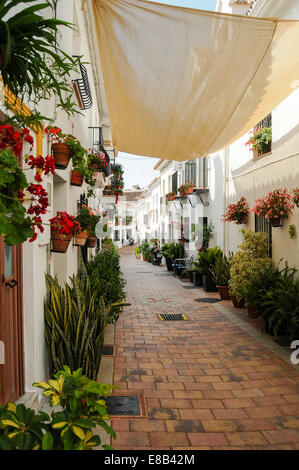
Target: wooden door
(11,322)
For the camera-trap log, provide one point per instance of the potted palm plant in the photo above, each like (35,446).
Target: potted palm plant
(221,275)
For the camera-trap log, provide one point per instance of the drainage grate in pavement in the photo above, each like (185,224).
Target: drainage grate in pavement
(284,342)
(143,272)
(123,406)
(108,350)
(208,300)
(172,317)
(189,287)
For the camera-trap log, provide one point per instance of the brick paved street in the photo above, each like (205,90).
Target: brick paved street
(206,383)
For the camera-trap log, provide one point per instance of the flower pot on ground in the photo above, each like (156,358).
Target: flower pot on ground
(77,178)
(224,292)
(221,275)
(172,251)
(197,278)
(62,155)
(253,312)
(237,303)
(251,258)
(208,284)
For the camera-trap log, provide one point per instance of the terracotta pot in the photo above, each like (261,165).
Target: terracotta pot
(60,242)
(253,312)
(77,178)
(81,238)
(144,258)
(183,193)
(235,302)
(92,242)
(171,198)
(189,191)
(224,292)
(62,155)
(94,167)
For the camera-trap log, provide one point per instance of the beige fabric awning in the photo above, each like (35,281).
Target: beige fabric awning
(183,83)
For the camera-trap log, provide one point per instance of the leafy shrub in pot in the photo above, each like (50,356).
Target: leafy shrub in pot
(252,257)
(204,263)
(221,276)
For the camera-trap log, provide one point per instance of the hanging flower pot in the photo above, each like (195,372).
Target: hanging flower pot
(60,242)
(276,222)
(62,155)
(63,227)
(237,213)
(92,241)
(81,238)
(77,178)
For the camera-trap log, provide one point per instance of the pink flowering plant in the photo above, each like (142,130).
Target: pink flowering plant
(296,197)
(238,212)
(276,204)
(260,140)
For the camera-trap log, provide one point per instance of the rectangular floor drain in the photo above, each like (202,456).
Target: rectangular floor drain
(108,350)
(172,317)
(123,406)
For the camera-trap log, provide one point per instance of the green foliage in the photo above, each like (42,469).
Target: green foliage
(251,258)
(172,250)
(275,292)
(144,246)
(137,250)
(15,225)
(292,231)
(75,320)
(34,67)
(261,140)
(147,254)
(204,232)
(83,407)
(87,220)
(207,259)
(107,281)
(108,244)
(221,270)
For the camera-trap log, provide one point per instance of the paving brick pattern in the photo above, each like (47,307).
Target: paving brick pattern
(207,384)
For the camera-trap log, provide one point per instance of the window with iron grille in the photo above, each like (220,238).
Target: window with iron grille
(263,225)
(190,172)
(174,182)
(265,124)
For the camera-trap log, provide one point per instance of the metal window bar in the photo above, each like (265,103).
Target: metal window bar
(263,225)
(82,89)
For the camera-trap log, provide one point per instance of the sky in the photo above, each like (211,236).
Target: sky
(139,170)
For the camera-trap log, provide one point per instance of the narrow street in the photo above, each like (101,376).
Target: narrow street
(204,383)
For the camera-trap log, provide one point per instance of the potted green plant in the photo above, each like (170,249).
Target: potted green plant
(221,275)
(260,141)
(92,239)
(172,251)
(63,228)
(138,252)
(205,261)
(252,257)
(84,219)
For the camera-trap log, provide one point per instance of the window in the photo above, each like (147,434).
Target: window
(263,225)
(202,173)
(174,182)
(190,172)
(265,126)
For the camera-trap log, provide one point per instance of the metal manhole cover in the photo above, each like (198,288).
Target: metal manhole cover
(172,317)
(108,350)
(208,300)
(123,406)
